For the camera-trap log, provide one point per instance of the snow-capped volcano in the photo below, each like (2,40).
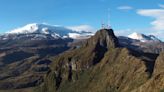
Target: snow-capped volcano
(41,28)
(44,30)
(142,37)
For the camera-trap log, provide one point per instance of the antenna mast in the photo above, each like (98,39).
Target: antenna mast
(106,25)
(108,20)
(103,25)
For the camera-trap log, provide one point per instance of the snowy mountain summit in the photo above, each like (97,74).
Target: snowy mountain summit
(39,31)
(41,28)
(143,38)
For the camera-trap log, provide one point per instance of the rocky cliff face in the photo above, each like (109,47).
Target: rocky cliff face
(156,82)
(104,38)
(159,65)
(100,65)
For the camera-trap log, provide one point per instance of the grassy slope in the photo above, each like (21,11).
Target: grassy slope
(117,71)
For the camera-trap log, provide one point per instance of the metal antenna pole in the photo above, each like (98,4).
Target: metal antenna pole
(102,25)
(108,24)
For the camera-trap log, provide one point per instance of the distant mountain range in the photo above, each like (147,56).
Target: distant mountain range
(34,33)
(44,31)
(141,42)
(37,32)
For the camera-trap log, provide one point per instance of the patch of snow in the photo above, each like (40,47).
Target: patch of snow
(74,35)
(30,28)
(142,37)
(55,36)
(136,36)
(154,38)
(45,30)
(40,36)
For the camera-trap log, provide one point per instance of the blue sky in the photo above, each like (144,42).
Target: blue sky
(126,16)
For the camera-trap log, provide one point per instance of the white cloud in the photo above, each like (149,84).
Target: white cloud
(125,8)
(82,28)
(161,5)
(157,28)
(157,14)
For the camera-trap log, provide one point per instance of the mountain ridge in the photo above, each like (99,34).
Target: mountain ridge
(101,65)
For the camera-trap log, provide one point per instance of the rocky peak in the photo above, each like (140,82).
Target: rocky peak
(104,38)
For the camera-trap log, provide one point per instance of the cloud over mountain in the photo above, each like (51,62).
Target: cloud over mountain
(157,23)
(157,14)
(80,28)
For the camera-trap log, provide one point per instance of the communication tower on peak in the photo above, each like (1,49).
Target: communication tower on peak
(108,24)
(103,25)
